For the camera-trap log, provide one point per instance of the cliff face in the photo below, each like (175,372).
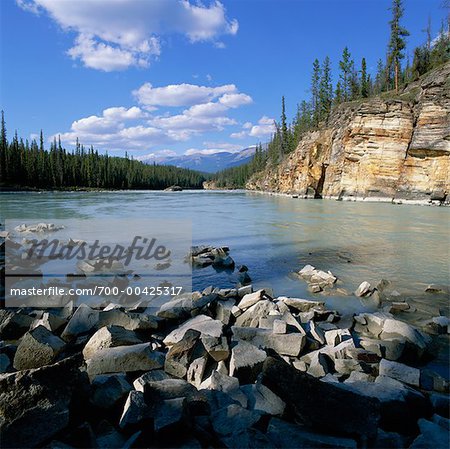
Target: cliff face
(384,148)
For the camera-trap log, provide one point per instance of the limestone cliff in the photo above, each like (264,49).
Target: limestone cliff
(382,147)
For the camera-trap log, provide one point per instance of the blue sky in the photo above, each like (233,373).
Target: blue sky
(174,76)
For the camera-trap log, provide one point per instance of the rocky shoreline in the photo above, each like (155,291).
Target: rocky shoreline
(222,368)
(398,201)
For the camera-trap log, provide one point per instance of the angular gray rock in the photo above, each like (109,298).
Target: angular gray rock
(250,299)
(135,411)
(217,347)
(399,371)
(84,320)
(108,390)
(171,416)
(109,337)
(125,359)
(285,435)
(284,344)
(315,402)
(363,289)
(246,361)
(34,404)
(201,323)
(13,324)
(263,400)
(254,313)
(37,348)
(301,305)
(151,376)
(233,419)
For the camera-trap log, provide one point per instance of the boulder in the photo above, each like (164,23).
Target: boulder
(34,404)
(284,344)
(37,348)
(432,435)
(336,336)
(263,400)
(108,390)
(279,326)
(217,347)
(440,404)
(129,320)
(254,313)
(246,361)
(13,324)
(125,359)
(247,439)
(285,435)
(183,353)
(400,405)
(135,411)
(233,419)
(201,323)
(224,310)
(391,349)
(196,370)
(83,321)
(399,371)
(151,376)
(226,384)
(315,402)
(320,364)
(301,305)
(109,337)
(363,289)
(251,298)
(171,416)
(49,321)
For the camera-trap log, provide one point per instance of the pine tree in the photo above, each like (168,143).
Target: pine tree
(364,79)
(325,90)
(315,91)
(397,42)
(3,150)
(347,69)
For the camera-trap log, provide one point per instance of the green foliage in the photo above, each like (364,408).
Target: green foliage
(30,165)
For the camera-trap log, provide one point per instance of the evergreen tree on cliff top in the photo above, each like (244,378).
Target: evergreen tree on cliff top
(397,41)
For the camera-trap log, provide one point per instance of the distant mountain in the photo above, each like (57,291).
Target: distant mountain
(209,163)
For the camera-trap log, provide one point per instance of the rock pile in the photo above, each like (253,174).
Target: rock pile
(219,368)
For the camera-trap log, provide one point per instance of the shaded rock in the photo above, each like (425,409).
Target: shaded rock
(13,324)
(336,336)
(315,402)
(320,365)
(431,436)
(263,400)
(108,437)
(201,323)
(37,348)
(84,320)
(171,416)
(125,359)
(399,371)
(109,337)
(226,384)
(440,404)
(135,411)
(246,361)
(387,349)
(247,439)
(34,404)
(183,353)
(108,390)
(224,310)
(49,321)
(151,376)
(217,347)
(401,405)
(440,421)
(389,440)
(285,435)
(232,419)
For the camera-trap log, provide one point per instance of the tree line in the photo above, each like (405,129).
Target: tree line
(25,164)
(353,84)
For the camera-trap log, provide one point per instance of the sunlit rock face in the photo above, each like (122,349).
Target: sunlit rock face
(379,148)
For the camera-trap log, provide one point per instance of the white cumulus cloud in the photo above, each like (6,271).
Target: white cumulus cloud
(118,34)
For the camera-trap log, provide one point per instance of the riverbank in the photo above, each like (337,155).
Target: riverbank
(372,199)
(223,366)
